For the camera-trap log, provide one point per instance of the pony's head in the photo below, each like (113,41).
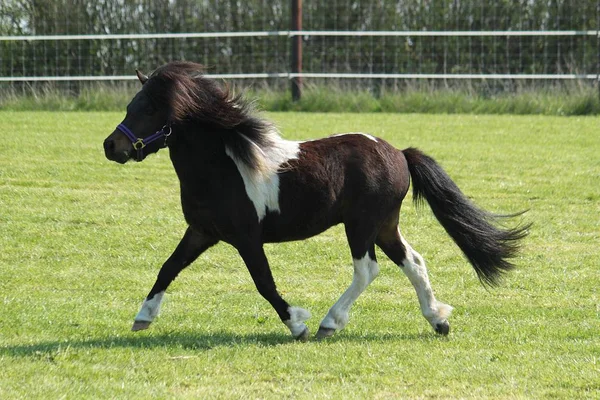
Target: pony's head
(173,95)
(144,130)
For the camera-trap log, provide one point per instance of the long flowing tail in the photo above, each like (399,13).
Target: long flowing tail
(486,246)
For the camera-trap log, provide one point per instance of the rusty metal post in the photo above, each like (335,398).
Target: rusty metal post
(296,56)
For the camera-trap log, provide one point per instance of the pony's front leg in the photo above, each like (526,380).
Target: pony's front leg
(190,247)
(258,265)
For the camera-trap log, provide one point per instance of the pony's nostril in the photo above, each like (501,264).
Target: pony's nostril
(109,146)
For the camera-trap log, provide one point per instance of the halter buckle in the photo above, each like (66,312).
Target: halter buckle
(166,134)
(139,144)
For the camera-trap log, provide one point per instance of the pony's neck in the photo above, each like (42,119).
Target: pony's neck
(195,152)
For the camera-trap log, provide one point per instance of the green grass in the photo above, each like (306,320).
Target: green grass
(81,241)
(48,97)
(568,99)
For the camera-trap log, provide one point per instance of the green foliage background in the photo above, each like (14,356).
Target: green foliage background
(537,55)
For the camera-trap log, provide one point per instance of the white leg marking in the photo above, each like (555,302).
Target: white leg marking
(262,182)
(415,270)
(296,322)
(365,271)
(370,137)
(150,308)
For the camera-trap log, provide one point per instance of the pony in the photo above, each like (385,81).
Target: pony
(243,184)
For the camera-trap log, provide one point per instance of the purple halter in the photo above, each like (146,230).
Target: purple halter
(140,143)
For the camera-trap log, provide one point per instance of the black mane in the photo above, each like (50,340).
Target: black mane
(191,98)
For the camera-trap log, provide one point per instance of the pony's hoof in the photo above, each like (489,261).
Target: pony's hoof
(324,333)
(140,325)
(442,328)
(303,337)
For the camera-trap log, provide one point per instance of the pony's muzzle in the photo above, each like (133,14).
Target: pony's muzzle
(117,150)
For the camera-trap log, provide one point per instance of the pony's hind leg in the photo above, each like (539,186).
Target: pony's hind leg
(412,264)
(191,246)
(366,270)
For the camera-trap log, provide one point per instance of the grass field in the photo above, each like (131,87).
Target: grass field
(81,241)
(561,99)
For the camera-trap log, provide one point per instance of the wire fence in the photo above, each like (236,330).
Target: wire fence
(73,41)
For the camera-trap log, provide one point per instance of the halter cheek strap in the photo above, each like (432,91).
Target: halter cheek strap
(139,143)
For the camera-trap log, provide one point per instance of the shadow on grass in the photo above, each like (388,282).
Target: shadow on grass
(199,342)
(188,341)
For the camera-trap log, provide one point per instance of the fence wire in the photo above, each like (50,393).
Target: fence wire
(75,40)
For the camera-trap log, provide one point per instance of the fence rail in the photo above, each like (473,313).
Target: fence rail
(290,75)
(191,35)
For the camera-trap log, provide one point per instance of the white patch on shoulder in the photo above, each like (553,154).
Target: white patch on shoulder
(262,183)
(150,308)
(370,137)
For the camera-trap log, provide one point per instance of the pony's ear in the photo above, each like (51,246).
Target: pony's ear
(143,78)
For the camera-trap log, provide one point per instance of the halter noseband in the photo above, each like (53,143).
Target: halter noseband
(140,143)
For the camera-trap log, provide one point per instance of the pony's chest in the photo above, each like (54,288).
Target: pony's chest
(197,211)
(216,210)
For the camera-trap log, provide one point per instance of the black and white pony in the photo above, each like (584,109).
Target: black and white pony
(243,184)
